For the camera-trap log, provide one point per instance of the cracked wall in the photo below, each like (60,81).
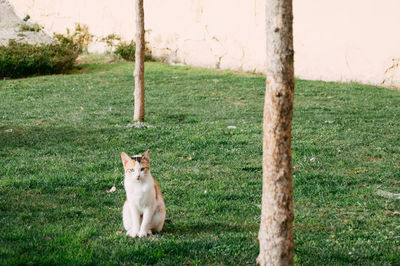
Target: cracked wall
(208,33)
(334,40)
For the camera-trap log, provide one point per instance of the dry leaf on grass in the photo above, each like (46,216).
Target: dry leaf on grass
(113,189)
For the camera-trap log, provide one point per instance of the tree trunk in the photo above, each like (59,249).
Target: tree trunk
(139,63)
(276,232)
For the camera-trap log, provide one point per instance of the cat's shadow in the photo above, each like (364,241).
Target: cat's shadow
(171,228)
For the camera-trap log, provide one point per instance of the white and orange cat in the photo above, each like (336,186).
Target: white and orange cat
(144,210)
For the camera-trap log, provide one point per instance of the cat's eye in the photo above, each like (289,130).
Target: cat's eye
(142,169)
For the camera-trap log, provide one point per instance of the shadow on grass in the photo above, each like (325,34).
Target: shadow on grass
(32,136)
(206,227)
(39,138)
(50,157)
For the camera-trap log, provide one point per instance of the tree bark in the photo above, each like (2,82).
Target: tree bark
(276,232)
(139,63)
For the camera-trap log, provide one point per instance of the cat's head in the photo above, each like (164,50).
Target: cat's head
(136,166)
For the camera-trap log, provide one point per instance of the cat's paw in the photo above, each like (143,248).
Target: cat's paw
(142,234)
(132,233)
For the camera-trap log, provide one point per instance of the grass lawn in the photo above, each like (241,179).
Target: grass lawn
(60,142)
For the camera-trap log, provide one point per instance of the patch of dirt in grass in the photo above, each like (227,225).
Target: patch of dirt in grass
(95,58)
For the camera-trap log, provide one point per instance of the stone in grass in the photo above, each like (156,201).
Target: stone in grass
(387,194)
(231,127)
(138,125)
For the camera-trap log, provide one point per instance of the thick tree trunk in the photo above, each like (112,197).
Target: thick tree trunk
(276,232)
(139,63)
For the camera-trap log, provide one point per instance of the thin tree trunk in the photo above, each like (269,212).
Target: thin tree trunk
(276,232)
(139,63)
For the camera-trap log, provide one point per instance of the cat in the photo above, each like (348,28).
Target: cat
(144,210)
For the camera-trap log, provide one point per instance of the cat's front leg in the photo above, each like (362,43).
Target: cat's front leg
(144,227)
(134,229)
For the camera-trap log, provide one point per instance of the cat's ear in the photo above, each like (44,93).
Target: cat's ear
(125,159)
(146,155)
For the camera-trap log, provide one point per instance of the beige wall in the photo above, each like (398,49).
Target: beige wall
(341,40)
(348,40)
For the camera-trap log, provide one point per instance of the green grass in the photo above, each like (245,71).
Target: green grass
(68,131)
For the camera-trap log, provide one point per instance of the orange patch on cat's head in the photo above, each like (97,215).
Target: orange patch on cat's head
(145,162)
